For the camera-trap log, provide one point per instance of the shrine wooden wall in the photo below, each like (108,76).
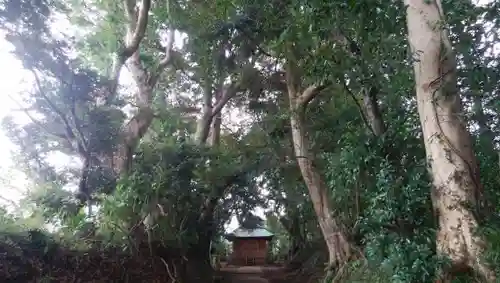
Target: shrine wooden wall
(249,252)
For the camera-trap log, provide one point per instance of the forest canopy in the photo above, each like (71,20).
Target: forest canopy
(367,131)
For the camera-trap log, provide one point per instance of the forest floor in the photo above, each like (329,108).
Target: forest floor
(266,274)
(24,259)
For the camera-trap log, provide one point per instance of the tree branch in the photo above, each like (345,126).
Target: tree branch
(155,75)
(133,131)
(135,33)
(292,80)
(204,122)
(11,202)
(348,44)
(137,25)
(38,123)
(229,92)
(309,94)
(70,135)
(370,112)
(358,105)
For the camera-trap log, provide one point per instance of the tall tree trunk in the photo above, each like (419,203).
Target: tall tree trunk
(448,144)
(198,266)
(120,159)
(205,121)
(334,233)
(210,112)
(216,124)
(145,81)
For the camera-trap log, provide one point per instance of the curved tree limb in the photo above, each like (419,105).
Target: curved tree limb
(136,31)
(228,92)
(135,129)
(137,24)
(339,248)
(309,94)
(155,75)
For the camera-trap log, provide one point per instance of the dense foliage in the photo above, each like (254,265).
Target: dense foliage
(175,116)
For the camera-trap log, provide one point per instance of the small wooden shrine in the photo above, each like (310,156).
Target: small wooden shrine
(250,246)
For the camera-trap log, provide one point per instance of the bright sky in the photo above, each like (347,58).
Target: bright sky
(12,76)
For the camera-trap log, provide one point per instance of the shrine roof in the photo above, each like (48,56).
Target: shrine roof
(241,232)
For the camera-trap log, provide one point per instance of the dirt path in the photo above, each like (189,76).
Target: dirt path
(249,279)
(252,274)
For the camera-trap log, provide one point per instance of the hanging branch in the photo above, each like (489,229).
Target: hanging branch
(360,108)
